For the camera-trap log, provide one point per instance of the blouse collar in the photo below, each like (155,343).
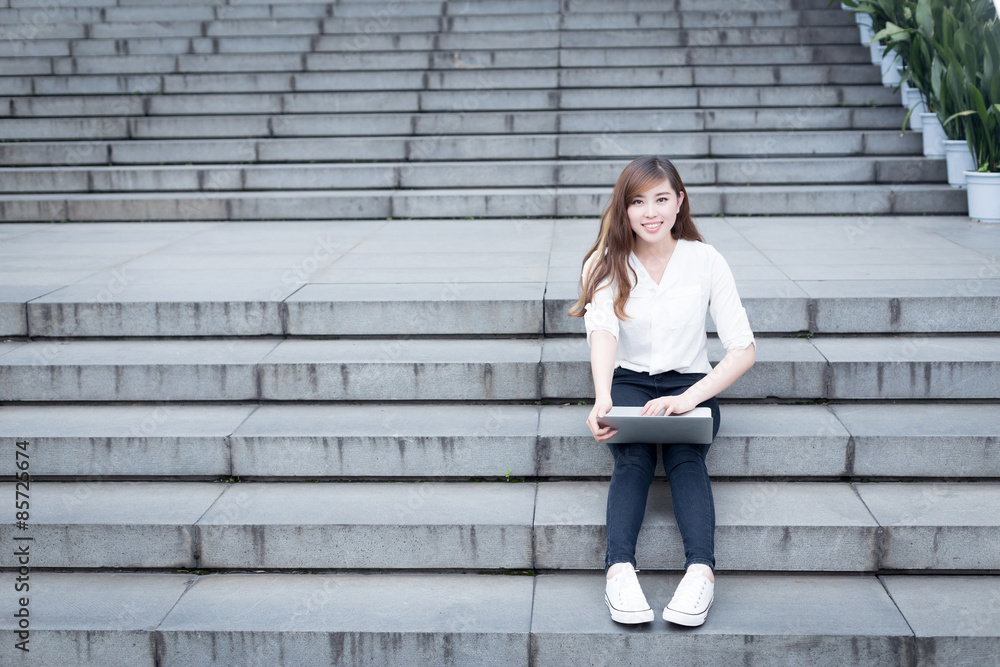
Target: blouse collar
(671,274)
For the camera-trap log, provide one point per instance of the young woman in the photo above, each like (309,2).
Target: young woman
(647,283)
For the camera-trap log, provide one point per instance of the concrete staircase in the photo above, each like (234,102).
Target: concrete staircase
(286,405)
(445,109)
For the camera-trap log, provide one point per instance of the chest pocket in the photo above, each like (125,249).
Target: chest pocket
(682,307)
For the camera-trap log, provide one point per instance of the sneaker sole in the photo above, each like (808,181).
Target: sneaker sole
(629,617)
(690,620)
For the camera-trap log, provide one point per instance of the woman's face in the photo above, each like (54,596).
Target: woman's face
(652,213)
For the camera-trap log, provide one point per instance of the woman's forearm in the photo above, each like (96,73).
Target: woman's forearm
(603,346)
(733,365)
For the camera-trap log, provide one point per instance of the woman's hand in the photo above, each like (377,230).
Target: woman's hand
(674,405)
(602,405)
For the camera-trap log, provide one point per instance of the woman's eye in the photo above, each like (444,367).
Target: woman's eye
(662,199)
(636,201)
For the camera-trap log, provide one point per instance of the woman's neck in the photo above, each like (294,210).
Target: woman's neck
(654,251)
(654,257)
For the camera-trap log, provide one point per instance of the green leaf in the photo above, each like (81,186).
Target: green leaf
(949,26)
(893,33)
(925,22)
(991,62)
(980,104)
(937,74)
(906,119)
(971,62)
(956,115)
(990,59)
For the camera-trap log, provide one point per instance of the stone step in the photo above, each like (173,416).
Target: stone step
(838,367)
(875,305)
(462,277)
(371,42)
(116,300)
(856,441)
(482,95)
(879,526)
(356,27)
(828,367)
(314,54)
(419,79)
(492,203)
(574,26)
(351,176)
(856,621)
(435,147)
(542,34)
(564,17)
(760,526)
(468,619)
(363,34)
(164,12)
(441,125)
(457,5)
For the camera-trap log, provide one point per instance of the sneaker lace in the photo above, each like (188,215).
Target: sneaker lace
(630,593)
(689,591)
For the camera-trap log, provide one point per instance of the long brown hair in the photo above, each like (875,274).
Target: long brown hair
(616,239)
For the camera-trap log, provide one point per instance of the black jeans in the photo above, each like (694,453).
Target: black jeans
(684,465)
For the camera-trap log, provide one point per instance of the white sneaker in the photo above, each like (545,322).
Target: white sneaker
(625,599)
(691,600)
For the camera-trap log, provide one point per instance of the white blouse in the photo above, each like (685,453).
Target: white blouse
(666,326)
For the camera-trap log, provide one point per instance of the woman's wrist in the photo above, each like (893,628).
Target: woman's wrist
(691,394)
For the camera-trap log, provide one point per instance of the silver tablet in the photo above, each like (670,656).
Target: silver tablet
(694,427)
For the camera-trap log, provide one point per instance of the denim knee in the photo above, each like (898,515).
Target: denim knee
(675,455)
(637,455)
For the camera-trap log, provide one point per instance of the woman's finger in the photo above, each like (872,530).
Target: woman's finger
(600,433)
(594,427)
(605,436)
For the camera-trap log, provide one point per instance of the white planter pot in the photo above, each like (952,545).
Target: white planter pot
(984,195)
(891,63)
(866,33)
(959,158)
(864,22)
(912,99)
(933,135)
(875,50)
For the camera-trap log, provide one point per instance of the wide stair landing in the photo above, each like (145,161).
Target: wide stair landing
(321,436)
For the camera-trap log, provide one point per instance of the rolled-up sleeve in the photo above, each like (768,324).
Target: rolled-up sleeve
(600,313)
(727,310)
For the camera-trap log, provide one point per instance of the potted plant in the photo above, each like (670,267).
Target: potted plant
(934,37)
(978,81)
(907,28)
(951,53)
(898,41)
(961,50)
(877,15)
